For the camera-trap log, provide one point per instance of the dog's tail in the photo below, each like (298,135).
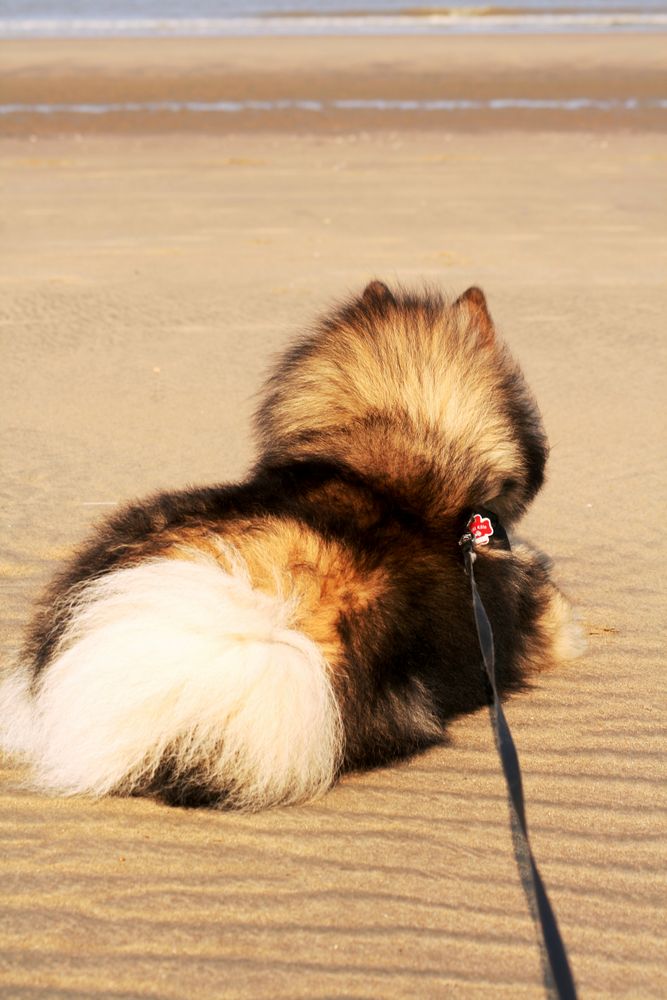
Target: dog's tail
(178,677)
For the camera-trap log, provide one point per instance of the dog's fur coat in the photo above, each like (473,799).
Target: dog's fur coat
(243,645)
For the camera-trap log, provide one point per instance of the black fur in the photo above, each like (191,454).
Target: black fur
(421,627)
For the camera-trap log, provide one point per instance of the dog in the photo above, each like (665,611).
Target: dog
(242,646)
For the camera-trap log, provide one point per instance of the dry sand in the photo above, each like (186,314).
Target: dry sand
(146,283)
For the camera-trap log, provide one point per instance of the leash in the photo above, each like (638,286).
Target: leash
(479,529)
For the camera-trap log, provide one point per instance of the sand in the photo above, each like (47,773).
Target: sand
(330,69)
(147,281)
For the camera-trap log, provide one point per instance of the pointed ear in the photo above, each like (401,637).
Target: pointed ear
(475,302)
(377,294)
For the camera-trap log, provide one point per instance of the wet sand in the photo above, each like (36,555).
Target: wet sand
(557,68)
(147,281)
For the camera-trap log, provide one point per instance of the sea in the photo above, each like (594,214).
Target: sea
(235,18)
(276,18)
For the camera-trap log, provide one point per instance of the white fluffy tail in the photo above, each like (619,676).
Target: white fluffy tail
(179,663)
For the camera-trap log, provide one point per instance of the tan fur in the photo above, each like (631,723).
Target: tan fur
(287,560)
(558,637)
(423,388)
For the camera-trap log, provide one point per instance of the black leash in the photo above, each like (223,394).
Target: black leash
(480,528)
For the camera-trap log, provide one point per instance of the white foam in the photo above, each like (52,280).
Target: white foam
(456,21)
(352,104)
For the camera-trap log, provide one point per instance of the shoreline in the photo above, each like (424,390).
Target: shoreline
(347,78)
(485,21)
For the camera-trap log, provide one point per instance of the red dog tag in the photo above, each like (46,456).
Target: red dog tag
(480,528)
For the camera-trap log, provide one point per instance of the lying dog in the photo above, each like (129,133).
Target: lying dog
(243,645)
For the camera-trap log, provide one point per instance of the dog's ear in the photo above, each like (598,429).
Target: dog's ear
(377,294)
(474,301)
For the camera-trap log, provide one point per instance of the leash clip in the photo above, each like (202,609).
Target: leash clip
(467,543)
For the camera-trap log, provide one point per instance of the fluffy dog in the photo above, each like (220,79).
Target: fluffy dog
(243,645)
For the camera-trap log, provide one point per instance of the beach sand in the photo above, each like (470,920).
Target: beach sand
(601,67)
(147,280)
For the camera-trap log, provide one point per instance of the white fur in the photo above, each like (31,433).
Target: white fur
(179,656)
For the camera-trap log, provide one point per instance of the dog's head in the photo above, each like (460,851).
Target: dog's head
(416,392)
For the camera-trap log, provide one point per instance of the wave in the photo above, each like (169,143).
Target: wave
(455,21)
(363,104)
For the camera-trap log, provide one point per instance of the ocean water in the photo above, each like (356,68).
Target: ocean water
(235,18)
(238,18)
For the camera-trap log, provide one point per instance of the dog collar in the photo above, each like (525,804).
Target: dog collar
(483,527)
